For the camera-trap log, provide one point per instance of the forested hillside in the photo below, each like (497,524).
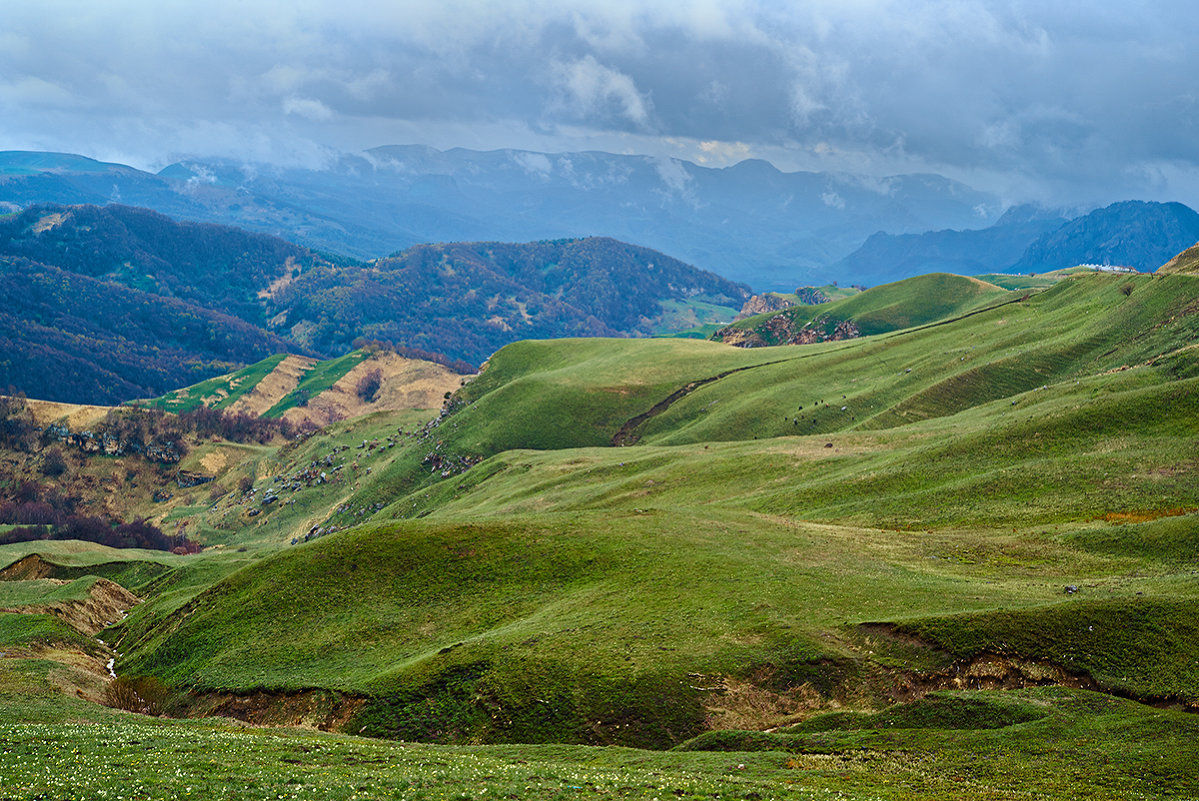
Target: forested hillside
(467,299)
(129,303)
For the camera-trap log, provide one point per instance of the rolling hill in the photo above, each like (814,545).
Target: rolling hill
(1003,420)
(912,562)
(904,304)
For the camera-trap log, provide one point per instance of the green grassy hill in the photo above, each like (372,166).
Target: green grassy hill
(914,301)
(898,566)
(961,468)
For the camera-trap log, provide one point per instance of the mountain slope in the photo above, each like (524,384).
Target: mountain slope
(465,300)
(885,257)
(1130,234)
(469,299)
(71,338)
(213,266)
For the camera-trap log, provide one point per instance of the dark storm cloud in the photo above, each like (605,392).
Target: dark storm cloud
(1074,97)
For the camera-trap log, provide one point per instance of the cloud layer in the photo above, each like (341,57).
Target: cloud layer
(1066,101)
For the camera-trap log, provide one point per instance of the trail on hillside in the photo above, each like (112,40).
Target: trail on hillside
(628,434)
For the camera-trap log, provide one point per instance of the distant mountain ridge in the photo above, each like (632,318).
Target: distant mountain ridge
(750,222)
(106,304)
(1137,234)
(1128,234)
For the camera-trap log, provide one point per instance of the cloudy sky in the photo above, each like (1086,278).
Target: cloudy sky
(1064,101)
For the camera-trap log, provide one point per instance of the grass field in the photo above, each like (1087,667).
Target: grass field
(950,560)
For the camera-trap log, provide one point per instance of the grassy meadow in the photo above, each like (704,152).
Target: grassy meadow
(953,559)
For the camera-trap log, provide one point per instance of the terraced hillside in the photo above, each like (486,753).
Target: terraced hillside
(948,560)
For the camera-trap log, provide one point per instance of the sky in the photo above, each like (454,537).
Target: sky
(1059,101)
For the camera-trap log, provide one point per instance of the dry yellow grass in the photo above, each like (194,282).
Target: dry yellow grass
(406,384)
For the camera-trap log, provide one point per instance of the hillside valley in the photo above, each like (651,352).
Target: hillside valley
(951,554)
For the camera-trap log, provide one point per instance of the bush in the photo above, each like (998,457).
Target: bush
(144,695)
(369,384)
(54,463)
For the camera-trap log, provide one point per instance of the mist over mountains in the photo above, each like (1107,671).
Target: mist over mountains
(749,222)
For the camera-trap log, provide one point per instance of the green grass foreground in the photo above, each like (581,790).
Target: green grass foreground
(1039,744)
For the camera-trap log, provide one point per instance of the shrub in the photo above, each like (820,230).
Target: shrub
(145,695)
(54,463)
(369,384)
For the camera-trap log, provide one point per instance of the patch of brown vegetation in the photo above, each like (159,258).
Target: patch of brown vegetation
(1145,515)
(405,384)
(74,416)
(49,222)
(748,705)
(282,282)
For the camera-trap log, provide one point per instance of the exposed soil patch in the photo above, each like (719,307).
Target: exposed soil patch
(990,672)
(28,568)
(994,671)
(105,604)
(311,709)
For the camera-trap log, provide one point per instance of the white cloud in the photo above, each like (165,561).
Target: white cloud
(307,107)
(594,89)
(833,200)
(30,90)
(534,163)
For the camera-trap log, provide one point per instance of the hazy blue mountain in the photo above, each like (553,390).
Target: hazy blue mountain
(749,222)
(1132,233)
(890,257)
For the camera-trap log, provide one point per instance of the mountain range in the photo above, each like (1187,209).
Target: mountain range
(749,222)
(1029,239)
